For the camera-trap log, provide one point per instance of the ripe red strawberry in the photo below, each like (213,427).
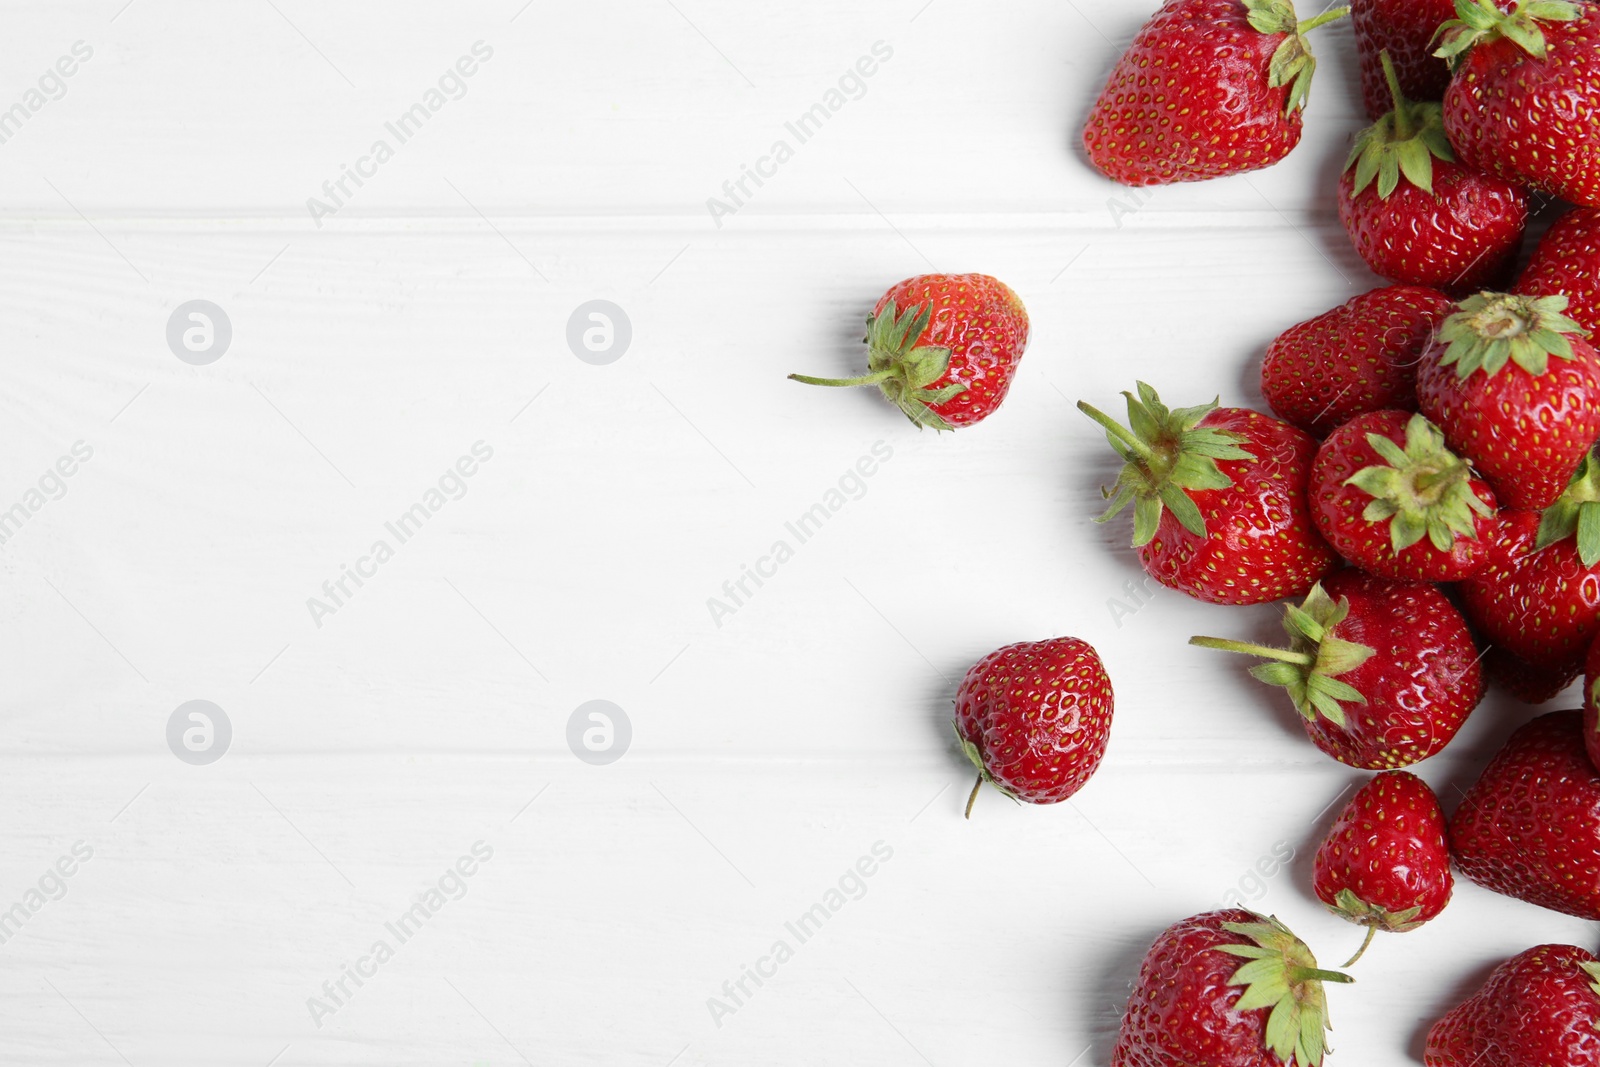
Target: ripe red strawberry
(1405,29)
(1034,718)
(1208,88)
(1522,101)
(1219,499)
(1383,673)
(1391,499)
(943,348)
(1529,684)
(1226,989)
(1538,1009)
(1567,262)
(1516,390)
(1417,216)
(1385,864)
(1591,702)
(1530,826)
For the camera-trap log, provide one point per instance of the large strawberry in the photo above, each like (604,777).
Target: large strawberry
(1354,359)
(1526,89)
(943,348)
(1530,826)
(1208,88)
(1538,1009)
(1034,719)
(1405,29)
(1219,499)
(1385,864)
(1417,216)
(1393,500)
(1226,989)
(1516,390)
(1567,262)
(1383,673)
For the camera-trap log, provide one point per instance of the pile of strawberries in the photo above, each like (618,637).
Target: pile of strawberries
(1426,494)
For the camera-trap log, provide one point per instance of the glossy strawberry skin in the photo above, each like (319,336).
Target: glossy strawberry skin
(1536,1010)
(1405,29)
(1530,826)
(1462,237)
(1337,509)
(1354,359)
(1260,544)
(1531,121)
(1039,714)
(1189,100)
(1567,261)
(1541,605)
(1388,847)
(1421,683)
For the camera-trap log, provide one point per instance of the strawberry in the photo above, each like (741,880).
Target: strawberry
(1525,91)
(1385,864)
(1034,718)
(1530,826)
(1529,684)
(1391,499)
(1208,88)
(1516,390)
(1229,989)
(1405,29)
(1567,262)
(1354,359)
(1383,673)
(1591,702)
(1417,216)
(943,348)
(1219,499)
(1538,1009)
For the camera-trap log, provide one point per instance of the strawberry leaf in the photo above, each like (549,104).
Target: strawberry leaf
(1490,330)
(1421,490)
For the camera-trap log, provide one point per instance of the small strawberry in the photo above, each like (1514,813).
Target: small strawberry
(1208,88)
(1391,499)
(1385,864)
(1418,217)
(1226,989)
(1530,826)
(1538,1009)
(1354,359)
(1567,262)
(1383,673)
(1525,91)
(1034,718)
(1516,390)
(943,348)
(1405,29)
(1219,499)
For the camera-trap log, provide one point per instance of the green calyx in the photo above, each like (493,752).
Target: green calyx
(1492,329)
(1405,142)
(1348,906)
(1420,490)
(1576,514)
(1282,974)
(1482,21)
(1593,971)
(1167,453)
(1310,666)
(1292,64)
(904,370)
(976,758)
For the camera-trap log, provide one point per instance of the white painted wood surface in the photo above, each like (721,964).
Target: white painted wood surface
(429,712)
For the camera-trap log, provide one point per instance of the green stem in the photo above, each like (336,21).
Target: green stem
(1117,430)
(972,798)
(1371,930)
(1312,974)
(1301,659)
(1323,19)
(1402,127)
(866,379)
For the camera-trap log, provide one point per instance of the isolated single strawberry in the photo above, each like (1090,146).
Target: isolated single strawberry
(1219,499)
(1208,88)
(1392,499)
(1385,864)
(1418,217)
(1525,91)
(1226,989)
(1516,390)
(943,348)
(1383,673)
(1530,826)
(1354,359)
(1567,262)
(1540,1008)
(1405,29)
(1034,719)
